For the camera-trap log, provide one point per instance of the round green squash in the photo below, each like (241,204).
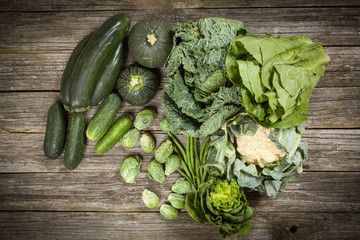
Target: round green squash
(150,42)
(137,85)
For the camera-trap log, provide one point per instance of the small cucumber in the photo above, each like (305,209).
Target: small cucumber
(103,118)
(115,133)
(55,131)
(75,141)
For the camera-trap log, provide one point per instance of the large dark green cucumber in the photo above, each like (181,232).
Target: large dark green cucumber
(65,80)
(115,133)
(93,58)
(75,141)
(109,75)
(103,118)
(55,131)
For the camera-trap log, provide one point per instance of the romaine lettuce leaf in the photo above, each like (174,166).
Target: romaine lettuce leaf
(276,76)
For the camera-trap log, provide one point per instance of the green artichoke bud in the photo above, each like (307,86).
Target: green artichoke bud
(156,171)
(147,143)
(150,199)
(172,164)
(181,186)
(164,125)
(164,151)
(176,200)
(130,168)
(169,212)
(144,118)
(130,139)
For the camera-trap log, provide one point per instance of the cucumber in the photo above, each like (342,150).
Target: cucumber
(65,80)
(103,118)
(55,131)
(115,133)
(93,58)
(75,141)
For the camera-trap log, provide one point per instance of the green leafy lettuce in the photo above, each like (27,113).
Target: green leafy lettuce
(222,203)
(272,177)
(276,76)
(199,97)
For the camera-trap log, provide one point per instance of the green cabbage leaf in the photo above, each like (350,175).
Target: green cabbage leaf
(199,98)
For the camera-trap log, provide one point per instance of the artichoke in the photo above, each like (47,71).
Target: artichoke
(222,203)
(130,168)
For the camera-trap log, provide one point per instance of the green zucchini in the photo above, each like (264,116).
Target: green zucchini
(103,118)
(101,50)
(65,83)
(115,133)
(109,75)
(75,141)
(55,131)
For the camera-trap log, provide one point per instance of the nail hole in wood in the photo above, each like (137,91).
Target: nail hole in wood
(293,229)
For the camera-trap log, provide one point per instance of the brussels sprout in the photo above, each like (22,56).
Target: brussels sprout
(164,151)
(181,186)
(156,171)
(130,168)
(150,199)
(130,139)
(164,125)
(172,164)
(176,200)
(144,118)
(147,142)
(169,212)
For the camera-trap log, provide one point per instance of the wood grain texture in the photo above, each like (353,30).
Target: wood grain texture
(329,150)
(74,191)
(151,226)
(64,5)
(54,31)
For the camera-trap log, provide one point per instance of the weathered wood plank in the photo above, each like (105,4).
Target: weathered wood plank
(109,5)
(43,70)
(128,226)
(26,112)
(51,31)
(74,191)
(329,150)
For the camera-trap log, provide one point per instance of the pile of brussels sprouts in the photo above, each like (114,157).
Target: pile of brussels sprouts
(164,155)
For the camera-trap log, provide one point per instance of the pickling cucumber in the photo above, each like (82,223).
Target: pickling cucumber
(115,133)
(75,141)
(103,118)
(55,131)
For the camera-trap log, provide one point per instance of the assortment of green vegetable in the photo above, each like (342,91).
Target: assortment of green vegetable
(246,94)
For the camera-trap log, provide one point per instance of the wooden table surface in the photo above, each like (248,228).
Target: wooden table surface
(40,199)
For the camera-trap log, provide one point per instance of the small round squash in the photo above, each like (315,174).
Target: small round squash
(137,85)
(150,42)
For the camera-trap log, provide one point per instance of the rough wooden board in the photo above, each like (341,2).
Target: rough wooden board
(65,5)
(329,150)
(129,226)
(51,31)
(43,70)
(74,191)
(26,112)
